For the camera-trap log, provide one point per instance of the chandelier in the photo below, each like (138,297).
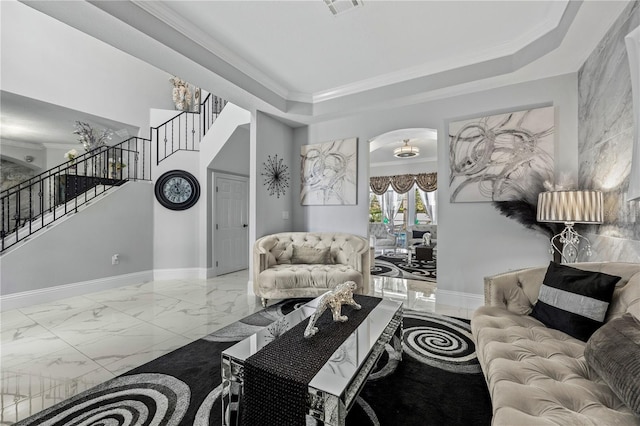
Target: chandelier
(406,151)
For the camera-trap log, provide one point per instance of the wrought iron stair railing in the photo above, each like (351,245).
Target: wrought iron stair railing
(185,131)
(36,203)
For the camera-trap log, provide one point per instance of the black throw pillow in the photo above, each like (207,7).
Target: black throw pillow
(573,300)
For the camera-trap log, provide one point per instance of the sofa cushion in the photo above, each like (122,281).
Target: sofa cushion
(613,352)
(573,300)
(310,255)
(538,375)
(418,234)
(283,276)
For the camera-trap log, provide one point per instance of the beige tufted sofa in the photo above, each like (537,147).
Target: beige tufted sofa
(278,272)
(537,375)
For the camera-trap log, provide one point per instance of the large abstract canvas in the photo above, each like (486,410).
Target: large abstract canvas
(498,157)
(329,173)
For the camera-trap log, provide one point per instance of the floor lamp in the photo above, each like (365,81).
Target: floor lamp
(570,207)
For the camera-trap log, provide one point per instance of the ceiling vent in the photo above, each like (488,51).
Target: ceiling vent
(338,7)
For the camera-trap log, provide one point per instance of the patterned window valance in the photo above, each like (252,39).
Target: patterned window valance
(403,183)
(427,181)
(379,184)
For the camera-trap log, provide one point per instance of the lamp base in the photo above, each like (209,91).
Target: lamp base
(567,244)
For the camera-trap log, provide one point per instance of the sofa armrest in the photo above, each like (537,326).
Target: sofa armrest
(516,291)
(261,256)
(365,268)
(357,254)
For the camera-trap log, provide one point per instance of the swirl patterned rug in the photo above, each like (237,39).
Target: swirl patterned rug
(396,265)
(438,382)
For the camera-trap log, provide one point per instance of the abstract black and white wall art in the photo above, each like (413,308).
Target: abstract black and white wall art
(329,173)
(497,157)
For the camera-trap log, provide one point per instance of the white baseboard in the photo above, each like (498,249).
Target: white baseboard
(45,295)
(206,273)
(456,298)
(178,274)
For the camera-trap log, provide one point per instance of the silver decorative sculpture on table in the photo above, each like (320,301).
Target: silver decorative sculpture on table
(341,295)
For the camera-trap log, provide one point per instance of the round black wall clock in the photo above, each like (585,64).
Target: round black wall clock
(177,190)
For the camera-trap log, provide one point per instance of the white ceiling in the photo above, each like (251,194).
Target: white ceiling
(299,62)
(301,48)
(303,53)
(382,146)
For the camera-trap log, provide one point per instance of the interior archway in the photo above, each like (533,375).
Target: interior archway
(402,216)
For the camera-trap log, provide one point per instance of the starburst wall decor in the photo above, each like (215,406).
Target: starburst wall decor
(276,176)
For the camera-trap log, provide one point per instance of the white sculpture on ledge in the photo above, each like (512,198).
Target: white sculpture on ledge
(341,295)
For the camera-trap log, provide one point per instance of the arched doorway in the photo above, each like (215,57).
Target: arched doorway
(403,212)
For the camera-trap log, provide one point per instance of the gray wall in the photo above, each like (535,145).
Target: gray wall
(78,72)
(273,137)
(80,248)
(177,233)
(234,155)
(474,240)
(606,140)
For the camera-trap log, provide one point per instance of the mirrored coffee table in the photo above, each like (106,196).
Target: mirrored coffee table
(334,389)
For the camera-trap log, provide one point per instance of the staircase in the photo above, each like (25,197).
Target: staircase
(35,204)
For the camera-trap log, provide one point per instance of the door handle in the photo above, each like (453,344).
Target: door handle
(245,225)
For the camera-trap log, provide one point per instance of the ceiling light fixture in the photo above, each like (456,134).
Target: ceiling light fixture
(406,151)
(339,6)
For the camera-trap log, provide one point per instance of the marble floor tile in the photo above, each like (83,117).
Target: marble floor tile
(29,349)
(94,323)
(108,349)
(53,351)
(123,299)
(67,363)
(205,329)
(53,314)
(150,353)
(187,318)
(150,308)
(42,392)
(21,331)
(14,319)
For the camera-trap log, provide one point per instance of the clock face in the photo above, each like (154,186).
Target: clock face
(177,190)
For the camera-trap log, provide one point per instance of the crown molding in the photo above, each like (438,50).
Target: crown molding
(558,14)
(119,22)
(171,18)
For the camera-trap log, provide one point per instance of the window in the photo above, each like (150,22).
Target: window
(375,210)
(406,209)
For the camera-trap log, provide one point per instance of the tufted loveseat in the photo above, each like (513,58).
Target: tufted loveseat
(307,264)
(415,234)
(540,376)
(381,237)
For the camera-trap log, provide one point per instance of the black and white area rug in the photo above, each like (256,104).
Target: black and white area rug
(396,265)
(437,382)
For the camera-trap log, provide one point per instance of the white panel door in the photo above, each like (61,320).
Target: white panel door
(231,228)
